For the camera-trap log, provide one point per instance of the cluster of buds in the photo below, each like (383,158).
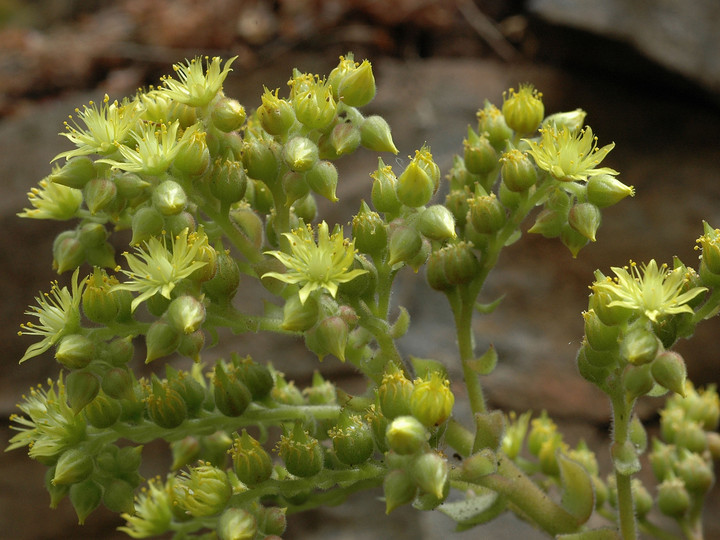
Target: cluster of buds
(683,460)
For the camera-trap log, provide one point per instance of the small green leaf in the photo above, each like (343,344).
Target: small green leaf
(401,324)
(474,510)
(578,495)
(514,237)
(490,306)
(486,363)
(425,366)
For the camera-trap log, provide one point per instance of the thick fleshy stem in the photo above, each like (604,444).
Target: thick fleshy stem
(622,414)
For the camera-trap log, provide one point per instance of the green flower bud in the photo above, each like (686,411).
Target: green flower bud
(130,186)
(68,252)
(298,317)
(301,453)
(702,407)
(641,497)
(518,172)
(276,115)
(352,439)
(185,314)
(272,520)
(305,209)
(710,245)
(81,387)
(542,429)
(191,345)
(102,256)
(384,189)
(57,493)
(323,179)
(92,235)
(118,383)
(690,435)
(119,496)
(487,213)
(637,380)
(637,434)
(437,223)
(572,120)
(596,373)
(169,198)
(435,271)
(118,352)
(432,400)
(315,106)
(662,457)
(668,370)
(193,156)
(74,466)
(98,193)
(548,223)
(300,154)
(406,435)
(232,396)
(329,336)
(295,186)
(251,463)
(184,452)
(146,223)
(76,172)
(599,301)
(191,391)
(430,472)
(236,524)
(161,340)
(572,239)
(695,472)
(639,346)
(492,122)
(606,190)
(369,231)
(344,139)
(414,186)
(479,155)
(405,243)
(228,181)
(523,110)
(256,376)
(356,87)
(600,337)
(165,405)
(375,135)
(456,202)
(585,219)
(202,491)
(673,499)
(85,497)
(223,285)
(227,114)
(460,264)
(75,351)
(399,488)
(103,411)
(260,159)
(394,393)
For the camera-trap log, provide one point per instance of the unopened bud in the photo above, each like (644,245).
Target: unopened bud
(228,181)
(323,179)
(523,110)
(251,462)
(394,393)
(260,159)
(606,190)
(85,497)
(398,488)
(479,155)
(518,172)
(300,154)
(299,316)
(384,189)
(487,213)
(301,453)
(375,135)
(98,193)
(414,186)
(75,351)
(673,499)
(328,336)
(169,198)
(405,243)
(406,435)
(74,466)
(585,219)
(344,139)
(76,172)
(68,252)
(492,122)
(432,400)
(161,340)
(165,405)
(232,396)
(227,114)
(186,314)
(639,346)
(430,472)
(203,491)
(352,439)
(236,524)
(437,223)
(81,387)
(668,370)
(276,115)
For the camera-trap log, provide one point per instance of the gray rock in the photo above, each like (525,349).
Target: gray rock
(679,35)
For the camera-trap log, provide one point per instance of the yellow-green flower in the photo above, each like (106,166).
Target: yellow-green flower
(321,265)
(105,127)
(568,155)
(52,201)
(197,87)
(157,269)
(155,150)
(153,511)
(651,291)
(57,313)
(49,426)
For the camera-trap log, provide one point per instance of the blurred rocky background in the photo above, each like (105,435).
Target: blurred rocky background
(646,71)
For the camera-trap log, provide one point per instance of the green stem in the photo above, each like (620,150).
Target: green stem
(709,307)
(459,438)
(622,411)
(531,501)
(653,530)
(236,237)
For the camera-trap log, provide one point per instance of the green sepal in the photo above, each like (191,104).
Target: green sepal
(400,327)
(85,497)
